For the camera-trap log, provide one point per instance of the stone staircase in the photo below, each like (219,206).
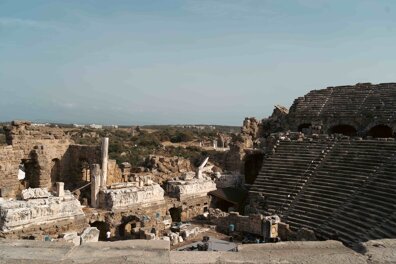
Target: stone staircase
(342,189)
(284,173)
(347,102)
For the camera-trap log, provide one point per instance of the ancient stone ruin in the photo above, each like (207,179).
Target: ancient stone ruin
(53,187)
(322,170)
(328,163)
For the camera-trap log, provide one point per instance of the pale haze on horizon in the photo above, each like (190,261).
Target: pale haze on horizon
(184,61)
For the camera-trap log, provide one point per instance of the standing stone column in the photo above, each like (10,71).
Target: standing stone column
(95,185)
(105,158)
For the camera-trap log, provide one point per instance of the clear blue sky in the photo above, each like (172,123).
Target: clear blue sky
(184,61)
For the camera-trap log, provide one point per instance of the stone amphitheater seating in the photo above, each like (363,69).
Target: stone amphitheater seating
(287,171)
(348,193)
(347,101)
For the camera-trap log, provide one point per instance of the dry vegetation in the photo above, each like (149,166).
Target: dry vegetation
(133,145)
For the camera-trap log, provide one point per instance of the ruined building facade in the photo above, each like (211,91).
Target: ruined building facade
(44,176)
(359,110)
(46,155)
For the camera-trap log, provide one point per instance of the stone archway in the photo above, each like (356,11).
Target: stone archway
(381,131)
(304,127)
(125,230)
(346,130)
(176,214)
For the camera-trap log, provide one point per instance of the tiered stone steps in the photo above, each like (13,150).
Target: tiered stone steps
(348,166)
(286,171)
(341,189)
(370,207)
(347,101)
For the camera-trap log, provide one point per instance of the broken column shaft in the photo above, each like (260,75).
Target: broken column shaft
(105,158)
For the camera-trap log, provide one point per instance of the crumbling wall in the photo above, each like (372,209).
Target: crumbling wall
(361,106)
(194,206)
(277,122)
(48,155)
(250,224)
(25,136)
(78,160)
(132,221)
(10,159)
(39,148)
(114,173)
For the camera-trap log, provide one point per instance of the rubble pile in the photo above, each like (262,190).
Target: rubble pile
(168,164)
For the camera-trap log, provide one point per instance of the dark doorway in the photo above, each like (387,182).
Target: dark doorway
(175,213)
(103,228)
(127,226)
(224,205)
(55,171)
(32,171)
(304,128)
(380,131)
(253,164)
(346,130)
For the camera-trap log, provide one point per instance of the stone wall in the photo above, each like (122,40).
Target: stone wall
(121,222)
(48,155)
(226,180)
(251,224)
(10,159)
(40,149)
(114,173)
(362,106)
(194,207)
(77,160)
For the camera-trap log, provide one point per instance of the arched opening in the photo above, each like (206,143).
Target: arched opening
(304,128)
(176,214)
(32,171)
(55,171)
(126,229)
(380,131)
(346,130)
(103,228)
(253,164)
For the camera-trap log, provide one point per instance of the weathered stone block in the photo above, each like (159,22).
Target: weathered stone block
(72,238)
(91,234)
(132,196)
(34,193)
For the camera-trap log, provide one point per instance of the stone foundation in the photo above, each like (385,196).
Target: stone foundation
(131,196)
(40,216)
